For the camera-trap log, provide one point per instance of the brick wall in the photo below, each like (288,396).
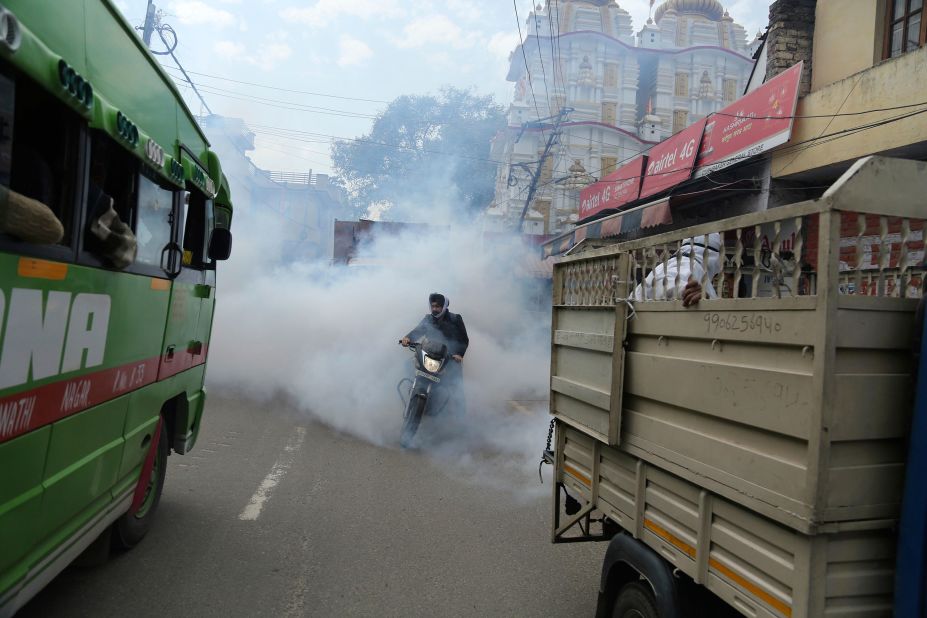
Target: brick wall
(791,31)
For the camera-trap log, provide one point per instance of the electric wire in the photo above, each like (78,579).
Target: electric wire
(797,147)
(521,44)
(321,138)
(287,105)
(306,92)
(247,96)
(537,32)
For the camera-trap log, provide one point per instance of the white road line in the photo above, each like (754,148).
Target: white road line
(253,509)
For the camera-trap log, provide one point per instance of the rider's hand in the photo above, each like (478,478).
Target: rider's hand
(691,294)
(405,341)
(458,358)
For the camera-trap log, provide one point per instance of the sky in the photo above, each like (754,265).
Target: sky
(374,50)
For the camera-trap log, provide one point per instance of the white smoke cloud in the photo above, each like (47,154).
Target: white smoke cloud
(325,337)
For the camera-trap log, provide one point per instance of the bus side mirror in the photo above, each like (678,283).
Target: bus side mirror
(220,244)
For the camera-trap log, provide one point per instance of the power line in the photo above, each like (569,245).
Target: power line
(797,147)
(837,115)
(319,138)
(160,29)
(537,33)
(282,101)
(287,105)
(315,94)
(521,44)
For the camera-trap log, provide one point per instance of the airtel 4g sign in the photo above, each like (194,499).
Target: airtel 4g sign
(670,162)
(614,190)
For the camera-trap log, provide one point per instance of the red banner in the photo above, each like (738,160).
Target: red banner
(671,161)
(751,125)
(615,190)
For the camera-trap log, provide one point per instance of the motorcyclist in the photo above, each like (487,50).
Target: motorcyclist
(442,326)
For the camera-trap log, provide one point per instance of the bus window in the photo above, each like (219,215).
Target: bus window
(197,228)
(45,157)
(111,200)
(153,230)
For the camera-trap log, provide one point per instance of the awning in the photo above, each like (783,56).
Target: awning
(620,224)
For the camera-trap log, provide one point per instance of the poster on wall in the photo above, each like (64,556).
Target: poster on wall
(613,191)
(751,125)
(671,161)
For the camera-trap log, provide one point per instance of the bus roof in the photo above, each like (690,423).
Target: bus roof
(89,57)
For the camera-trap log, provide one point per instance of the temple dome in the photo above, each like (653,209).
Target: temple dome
(712,9)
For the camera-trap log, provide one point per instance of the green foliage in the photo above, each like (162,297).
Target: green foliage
(423,152)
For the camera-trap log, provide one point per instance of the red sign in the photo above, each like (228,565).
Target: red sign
(670,162)
(751,125)
(616,189)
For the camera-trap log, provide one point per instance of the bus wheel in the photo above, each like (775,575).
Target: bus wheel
(132,527)
(635,600)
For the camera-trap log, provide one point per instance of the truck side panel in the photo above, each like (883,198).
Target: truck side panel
(758,566)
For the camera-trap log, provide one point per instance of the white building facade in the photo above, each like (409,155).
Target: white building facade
(627,92)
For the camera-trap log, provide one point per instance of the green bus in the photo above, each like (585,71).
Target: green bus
(113,215)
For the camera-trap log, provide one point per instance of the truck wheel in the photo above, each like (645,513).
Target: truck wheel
(635,600)
(413,418)
(132,527)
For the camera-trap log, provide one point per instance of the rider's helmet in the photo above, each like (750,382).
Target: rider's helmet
(439,299)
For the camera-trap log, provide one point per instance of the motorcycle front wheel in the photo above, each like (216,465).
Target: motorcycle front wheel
(413,417)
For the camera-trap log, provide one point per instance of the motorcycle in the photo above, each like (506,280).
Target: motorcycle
(424,394)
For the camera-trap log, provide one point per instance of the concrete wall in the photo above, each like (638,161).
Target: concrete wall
(891,83)
(848,40)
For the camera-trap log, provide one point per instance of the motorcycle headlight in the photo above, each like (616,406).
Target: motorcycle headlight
(431,364)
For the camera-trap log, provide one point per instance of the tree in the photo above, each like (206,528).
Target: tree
(424,154)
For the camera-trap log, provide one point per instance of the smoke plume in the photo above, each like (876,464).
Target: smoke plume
(325,337)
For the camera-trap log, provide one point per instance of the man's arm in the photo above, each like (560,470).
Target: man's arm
(462,336)
(418,331)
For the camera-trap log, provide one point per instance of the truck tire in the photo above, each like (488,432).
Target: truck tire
(132,527)
(635,600)
(412,420)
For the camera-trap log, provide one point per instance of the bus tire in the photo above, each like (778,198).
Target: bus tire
(635,600)
(132,527)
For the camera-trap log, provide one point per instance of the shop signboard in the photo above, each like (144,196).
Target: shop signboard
(753,124)
(671,161)
(613,191)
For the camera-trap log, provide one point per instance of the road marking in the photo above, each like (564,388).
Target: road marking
(253,509)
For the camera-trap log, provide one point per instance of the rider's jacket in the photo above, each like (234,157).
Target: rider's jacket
(448,329)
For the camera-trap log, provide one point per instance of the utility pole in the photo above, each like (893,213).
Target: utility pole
(153,23)
(551,140)
(148,28)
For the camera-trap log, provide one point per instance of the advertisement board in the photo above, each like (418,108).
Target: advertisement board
(671,161)
(613,191)
(751,125)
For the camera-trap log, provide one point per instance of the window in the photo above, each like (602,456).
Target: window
(609,164)
(682,31)
(547,169)
(611,75)
(724,35)
(730,90)
(680,120)
(682,84)
(906,27)
(153,232)
(608,113)
(40,159)
(113,176)
(198,224)
(543,207)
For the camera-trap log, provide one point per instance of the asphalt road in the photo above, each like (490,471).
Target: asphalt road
(275,515)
